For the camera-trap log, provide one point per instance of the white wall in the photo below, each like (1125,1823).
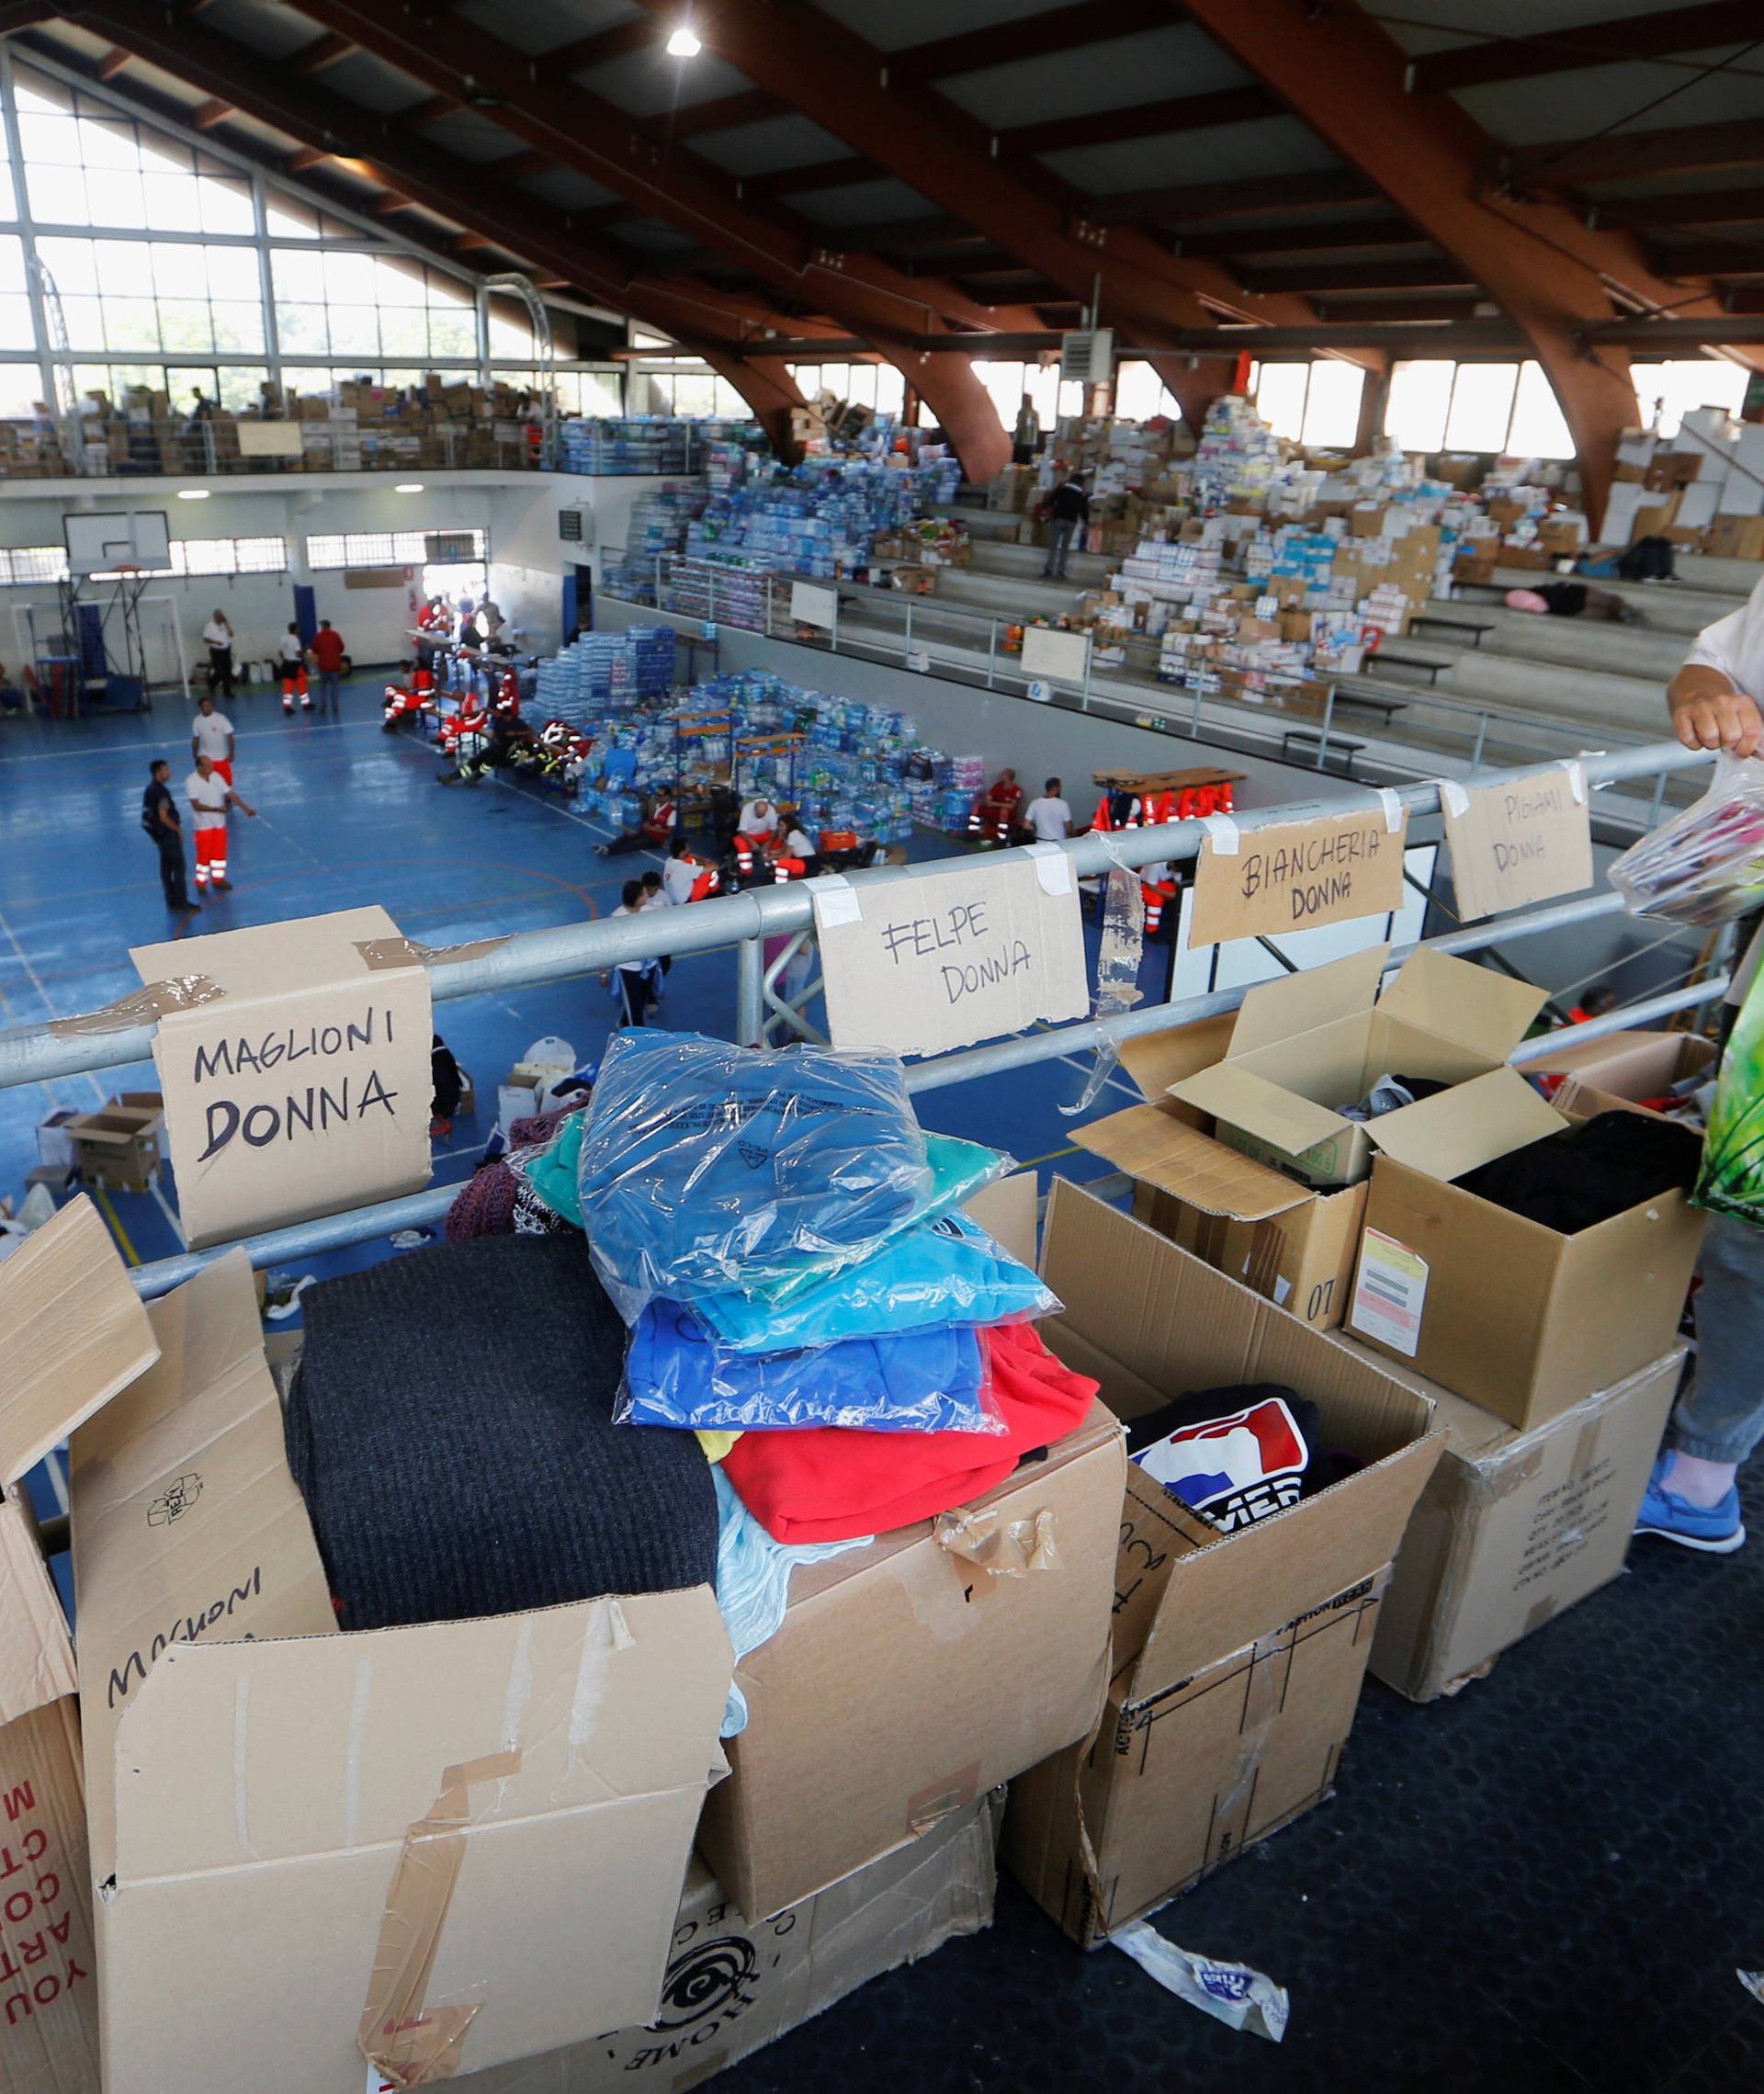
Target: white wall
(373,622)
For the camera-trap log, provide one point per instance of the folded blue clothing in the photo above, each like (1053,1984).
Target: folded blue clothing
(930,1381)
(707,1166)
(946,1271)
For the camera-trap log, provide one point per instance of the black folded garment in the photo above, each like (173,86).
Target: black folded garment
(1234,1455)
(449,1425)
(1587,1174)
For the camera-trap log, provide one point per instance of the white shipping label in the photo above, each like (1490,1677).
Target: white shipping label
(1389,1293)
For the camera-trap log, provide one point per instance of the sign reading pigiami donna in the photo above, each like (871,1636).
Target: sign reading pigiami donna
(304,1086)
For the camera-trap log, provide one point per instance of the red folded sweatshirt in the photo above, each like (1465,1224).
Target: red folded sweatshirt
(828,1484)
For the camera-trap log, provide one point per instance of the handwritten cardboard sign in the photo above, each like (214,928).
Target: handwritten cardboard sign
(1267,882)
(1517,843)
(304,1087)
(921,966)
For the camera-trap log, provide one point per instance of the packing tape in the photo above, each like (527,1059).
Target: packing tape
(1392,801)
(143,1006)
(1577,772)
(1453,798)
(942,1799)
(1225,833)
(381,952)
(1053,868)
(836,903)
(410,2043)
(1585,1446)
(1001,1547)
(1495,1477)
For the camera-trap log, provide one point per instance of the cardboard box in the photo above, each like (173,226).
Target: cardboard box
(1238,1656)
(1498,1308)
(70,1321)
(1513,1527)
(906,1679)
(1290,1243)
(117,1145)
(54,1141)
(1310,1042)
(340,1831)
(1735,538)
(732,1988)
(1621,1068)
(304,1086)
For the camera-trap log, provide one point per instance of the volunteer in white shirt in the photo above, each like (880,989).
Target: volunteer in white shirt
(211,736)
(635,983)
(759,818)
(1716,695)
(796,843)
(209,797)
(680,874)
(293,654)
(1050,817)
(216,636)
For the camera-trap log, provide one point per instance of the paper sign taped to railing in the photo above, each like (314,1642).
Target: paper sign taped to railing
(1049,652)
(1517,843)
(303,1088)
(921,966)
(812,607)
(1298,876)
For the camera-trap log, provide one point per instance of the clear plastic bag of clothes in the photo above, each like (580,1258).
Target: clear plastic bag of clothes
(929,1381)
(707,1166)
(945,1271)
(1706,866)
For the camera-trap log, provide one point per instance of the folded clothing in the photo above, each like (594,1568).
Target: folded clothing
(946,1271)
(1234,1455)
(450,1427)
(753,1584)
(930,1381)
(1588,1174)
(828,1486)
(706,1165)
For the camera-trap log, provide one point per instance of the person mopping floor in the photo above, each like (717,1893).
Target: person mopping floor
(209,797)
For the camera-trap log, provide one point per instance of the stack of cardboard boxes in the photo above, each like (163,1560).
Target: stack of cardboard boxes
(1704,488)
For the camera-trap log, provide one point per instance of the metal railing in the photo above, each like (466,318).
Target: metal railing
(41,1053)
(1352,717)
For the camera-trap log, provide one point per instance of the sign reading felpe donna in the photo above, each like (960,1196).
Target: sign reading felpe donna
(921,966)
(304,1086)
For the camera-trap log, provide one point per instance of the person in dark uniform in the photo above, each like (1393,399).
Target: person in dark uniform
(159,817)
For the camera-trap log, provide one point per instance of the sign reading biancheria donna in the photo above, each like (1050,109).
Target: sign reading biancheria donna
(297,1082)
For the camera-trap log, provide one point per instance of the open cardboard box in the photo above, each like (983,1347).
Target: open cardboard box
(733,1987)
(117,1145)
(1312,1042)
(334,1830)
(1513,1315)
(1237,1656)
(908,1678)
(70,1320)
(1290,1243)
(1513,1527)
(1622,1067)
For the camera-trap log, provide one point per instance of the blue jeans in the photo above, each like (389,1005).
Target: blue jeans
(1721,1416)
(330,688)
(1060,544)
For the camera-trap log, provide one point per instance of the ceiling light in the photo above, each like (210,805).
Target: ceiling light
(682,43)
(408,487)
(193,494)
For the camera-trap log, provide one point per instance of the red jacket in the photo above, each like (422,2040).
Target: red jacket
(328,649)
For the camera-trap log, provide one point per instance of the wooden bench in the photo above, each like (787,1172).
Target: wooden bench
(1309,740)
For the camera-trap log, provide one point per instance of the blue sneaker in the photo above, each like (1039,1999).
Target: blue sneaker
(1715,1530)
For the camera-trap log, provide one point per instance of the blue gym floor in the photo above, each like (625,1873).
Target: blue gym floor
(350,814)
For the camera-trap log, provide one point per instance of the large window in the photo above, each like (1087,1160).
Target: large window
(683,389)
(1669,390)
(23,565)
(1315,404)
(1140,395)
(86,163)
(386,548)
(1508,409)
(157,294)
(875,385)
(337,305)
